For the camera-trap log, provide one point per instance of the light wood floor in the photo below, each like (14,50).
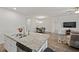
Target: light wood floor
(59,47)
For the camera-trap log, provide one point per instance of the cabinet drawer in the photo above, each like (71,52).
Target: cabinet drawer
(10,48)
(10,45)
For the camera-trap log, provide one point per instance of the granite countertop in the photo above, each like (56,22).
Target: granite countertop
(33,40)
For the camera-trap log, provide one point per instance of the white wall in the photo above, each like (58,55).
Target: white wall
(45,23)
(54,24)
(10,20)
(65,18)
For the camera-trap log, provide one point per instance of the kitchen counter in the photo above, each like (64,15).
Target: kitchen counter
(33,40)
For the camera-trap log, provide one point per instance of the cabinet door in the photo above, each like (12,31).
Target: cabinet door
(10,48)
(43,47)
(10,45)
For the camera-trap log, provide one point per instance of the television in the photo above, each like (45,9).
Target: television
(69,24)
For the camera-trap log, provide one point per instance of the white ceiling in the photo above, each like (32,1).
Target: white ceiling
(41,11)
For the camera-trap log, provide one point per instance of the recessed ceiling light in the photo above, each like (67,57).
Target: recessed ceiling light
(14,8)
(40,17)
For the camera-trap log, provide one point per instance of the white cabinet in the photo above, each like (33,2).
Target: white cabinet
(10,45)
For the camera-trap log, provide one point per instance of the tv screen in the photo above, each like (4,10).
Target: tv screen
(69,24)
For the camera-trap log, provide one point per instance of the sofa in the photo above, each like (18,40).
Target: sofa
(74,39)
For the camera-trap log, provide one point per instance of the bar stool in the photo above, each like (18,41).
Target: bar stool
(48,50)
(2,48)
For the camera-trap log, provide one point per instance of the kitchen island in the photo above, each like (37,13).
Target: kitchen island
(35,41)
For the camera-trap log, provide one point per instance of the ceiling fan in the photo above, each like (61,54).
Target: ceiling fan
(73,10)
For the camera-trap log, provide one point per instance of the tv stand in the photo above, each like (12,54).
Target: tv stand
(68,32)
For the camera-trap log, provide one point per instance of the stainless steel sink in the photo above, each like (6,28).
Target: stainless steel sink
(19,35)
